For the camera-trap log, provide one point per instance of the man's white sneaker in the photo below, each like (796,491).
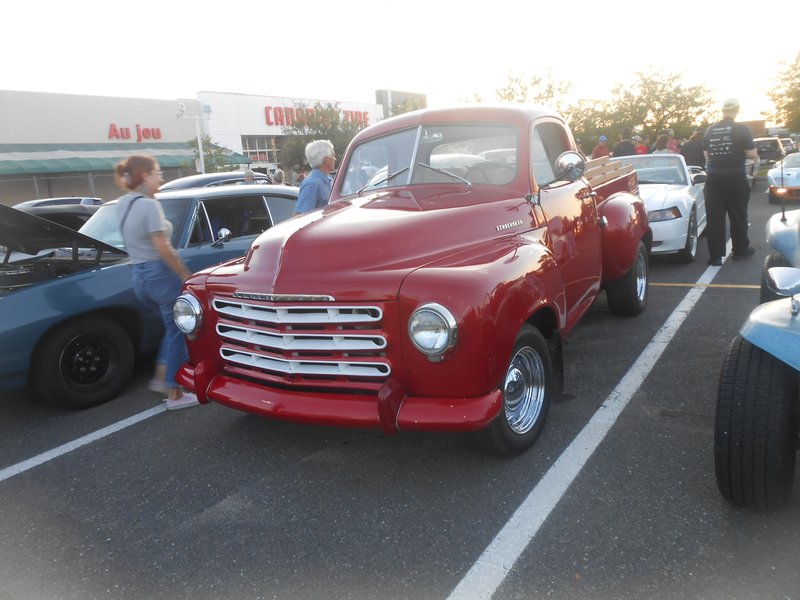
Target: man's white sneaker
(188,399)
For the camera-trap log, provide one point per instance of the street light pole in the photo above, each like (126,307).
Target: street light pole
(205,108)
(200,144)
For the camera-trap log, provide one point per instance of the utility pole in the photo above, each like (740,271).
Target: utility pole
(206,110)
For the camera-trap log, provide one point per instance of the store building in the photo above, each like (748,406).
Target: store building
(67,145)
(254,125)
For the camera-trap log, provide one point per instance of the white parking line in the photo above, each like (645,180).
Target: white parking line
(42,458)
(491,568)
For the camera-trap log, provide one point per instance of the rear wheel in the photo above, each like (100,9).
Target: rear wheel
(527,393)
(689,251)
(83,363)
(756,427)
(772,260)
(628,294)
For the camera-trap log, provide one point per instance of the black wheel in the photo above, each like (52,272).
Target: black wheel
(527,393)
(689,252)
(83,363)
(772,260)
(628,294)
(755,434)
(772,198)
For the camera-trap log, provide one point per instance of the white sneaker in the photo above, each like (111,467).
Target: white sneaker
(188,399)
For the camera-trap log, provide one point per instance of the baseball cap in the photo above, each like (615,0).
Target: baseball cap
(603,138)
(730,104)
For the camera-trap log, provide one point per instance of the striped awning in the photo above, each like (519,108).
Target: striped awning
(32,159)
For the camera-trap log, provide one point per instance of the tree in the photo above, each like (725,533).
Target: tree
(215,157)
(322,122)
(656,101)
(533,89)
(653,102)
(786,96)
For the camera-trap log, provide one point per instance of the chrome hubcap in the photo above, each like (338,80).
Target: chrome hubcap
(524,390)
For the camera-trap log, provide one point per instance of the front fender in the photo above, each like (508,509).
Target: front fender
(491,297)
(626,226)
(784,237)
(773,328)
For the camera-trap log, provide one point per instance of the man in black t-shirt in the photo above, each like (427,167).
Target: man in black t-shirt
(692,150)
(726,145)
(625,146)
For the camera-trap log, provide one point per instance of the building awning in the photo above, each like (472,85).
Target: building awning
(16,159)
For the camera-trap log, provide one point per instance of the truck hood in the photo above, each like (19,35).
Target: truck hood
(363,248)
(29,234)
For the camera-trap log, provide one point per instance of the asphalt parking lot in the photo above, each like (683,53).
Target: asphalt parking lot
(617,499)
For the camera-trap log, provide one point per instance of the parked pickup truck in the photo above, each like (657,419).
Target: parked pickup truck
(459,249)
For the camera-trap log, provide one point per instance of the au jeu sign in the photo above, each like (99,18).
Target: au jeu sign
(116,132)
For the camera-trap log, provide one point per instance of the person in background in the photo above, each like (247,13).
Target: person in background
(727,144)
(158,272)
(672,144)
(662,145)
(641,146)
(278,177)
(249,176)
(625,146)
(692,151)
(601,149)
(315,190)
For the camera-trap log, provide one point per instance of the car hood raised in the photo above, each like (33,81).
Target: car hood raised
(29,234)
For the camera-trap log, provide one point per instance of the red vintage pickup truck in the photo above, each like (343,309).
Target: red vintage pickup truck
(459,249)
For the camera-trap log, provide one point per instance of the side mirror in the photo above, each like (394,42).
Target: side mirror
(699,178)
(223,235)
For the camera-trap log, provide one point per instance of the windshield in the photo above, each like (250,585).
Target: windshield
(657,168)
(791,161)
(458,154)
(104,224)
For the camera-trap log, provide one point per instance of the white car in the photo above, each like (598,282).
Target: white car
(673,196)
(783,179)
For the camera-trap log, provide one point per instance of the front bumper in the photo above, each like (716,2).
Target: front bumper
(390,409)
(669,236)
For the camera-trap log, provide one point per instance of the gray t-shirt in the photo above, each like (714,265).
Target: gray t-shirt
(144,218)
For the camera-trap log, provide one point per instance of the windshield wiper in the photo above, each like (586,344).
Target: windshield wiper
(384,180)
(445,172)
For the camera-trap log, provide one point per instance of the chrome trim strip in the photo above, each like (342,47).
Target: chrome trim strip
(304,367)
(298,314)
(301,341)
(284,297)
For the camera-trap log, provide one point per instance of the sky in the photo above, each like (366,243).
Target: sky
(344,51)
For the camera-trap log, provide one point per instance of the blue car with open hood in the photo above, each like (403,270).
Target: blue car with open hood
(70,323)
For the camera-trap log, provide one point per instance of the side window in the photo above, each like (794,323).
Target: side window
(242,215)
(280,208)
(548,141)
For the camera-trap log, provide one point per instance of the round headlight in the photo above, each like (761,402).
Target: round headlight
(187,314)
(432,329)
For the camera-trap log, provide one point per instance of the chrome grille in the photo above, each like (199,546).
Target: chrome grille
(302,341)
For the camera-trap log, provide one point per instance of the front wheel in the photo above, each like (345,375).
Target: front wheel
(83,363)
(772,260)
(527,392)
(689,252)
(756,428)
(627,295)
